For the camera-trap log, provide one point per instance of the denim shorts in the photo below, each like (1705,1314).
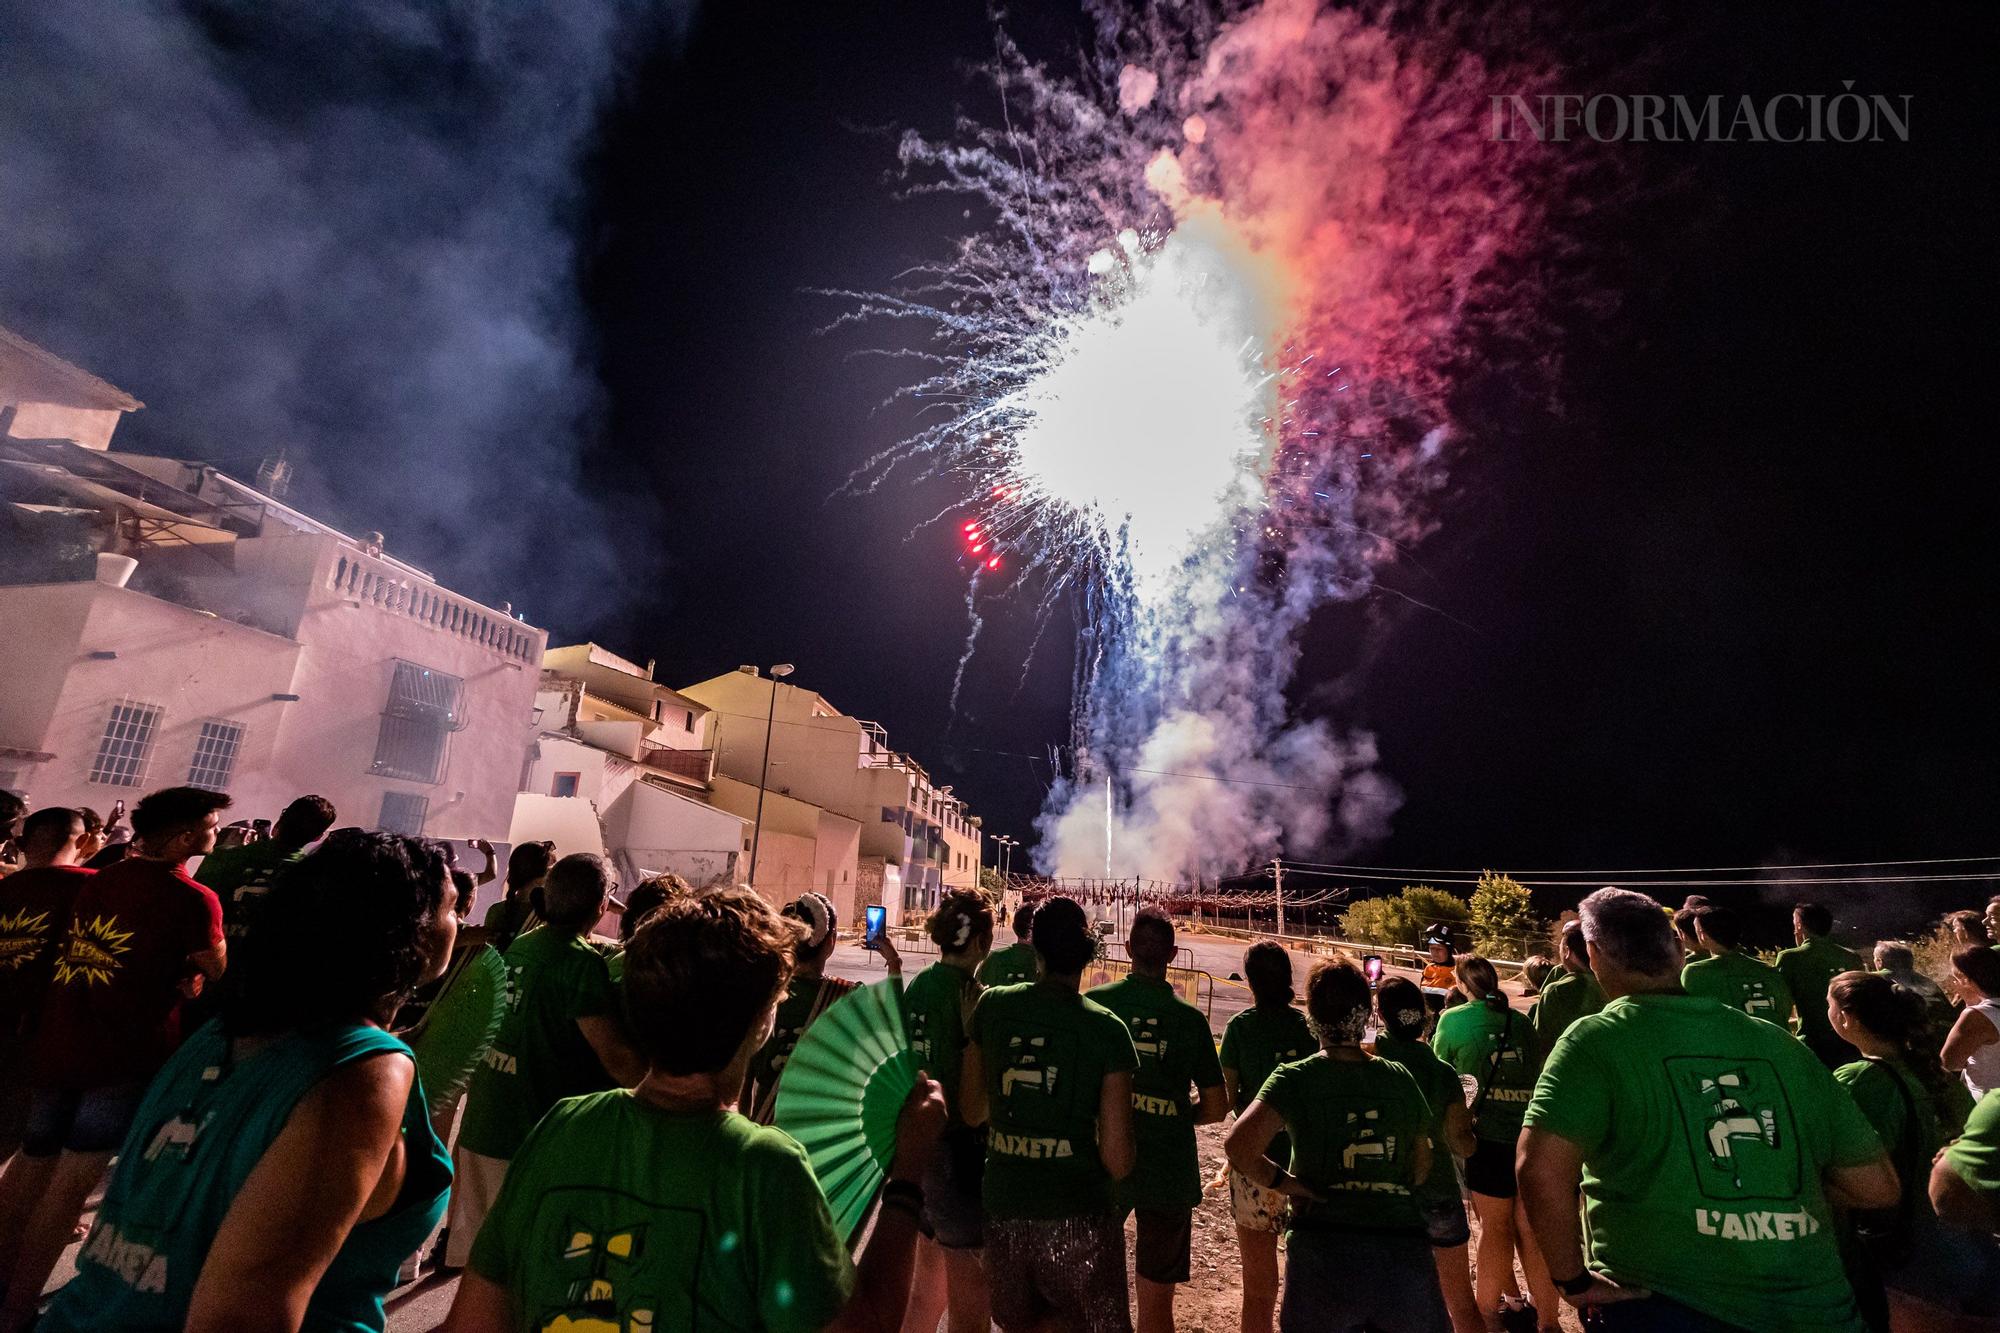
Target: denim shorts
(94,1121)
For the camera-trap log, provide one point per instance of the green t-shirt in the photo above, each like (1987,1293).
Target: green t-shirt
(1741,982)
(1808,969)
(934,1013)
(806,998)
(1567,997)
(1047,1051)
(240,877)
(1176,1053)
(1468,1038)
(1354,1126)
(540,1055)
(1975,1155)
(1911,1146)
(1011,966)
(619,1214)
(1439,1083)
(1704,1135)
(1254,1044)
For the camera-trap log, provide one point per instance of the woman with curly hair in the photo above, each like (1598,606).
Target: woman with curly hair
(659,1207)
(283,1160)
(937,1011)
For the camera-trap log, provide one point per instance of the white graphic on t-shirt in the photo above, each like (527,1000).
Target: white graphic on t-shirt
(1365,1140)
(1730,1120)
(1025,1067)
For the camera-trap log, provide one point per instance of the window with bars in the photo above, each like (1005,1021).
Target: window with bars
(403,812)
(417,722)
(127,744)
(215,755)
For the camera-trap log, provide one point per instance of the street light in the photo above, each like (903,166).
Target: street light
(1006,845)
(778,673)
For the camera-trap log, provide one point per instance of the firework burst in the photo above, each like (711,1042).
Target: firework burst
(1194,375)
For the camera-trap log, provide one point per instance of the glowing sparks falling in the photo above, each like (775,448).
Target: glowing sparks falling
(1193,378)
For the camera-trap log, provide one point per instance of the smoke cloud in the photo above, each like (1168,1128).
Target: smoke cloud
(345,232)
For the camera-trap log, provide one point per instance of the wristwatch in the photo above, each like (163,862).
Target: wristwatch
(1575,1286)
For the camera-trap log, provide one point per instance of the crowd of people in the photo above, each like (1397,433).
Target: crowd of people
(309,1074)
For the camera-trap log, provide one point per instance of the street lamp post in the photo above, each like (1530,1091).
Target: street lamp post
(778,673)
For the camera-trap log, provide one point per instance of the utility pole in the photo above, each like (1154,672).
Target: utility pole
(1278,878)
(778,673)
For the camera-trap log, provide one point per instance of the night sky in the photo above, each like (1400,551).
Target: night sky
(1718,588)
(1726,598)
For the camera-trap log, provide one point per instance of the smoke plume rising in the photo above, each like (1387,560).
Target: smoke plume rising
(344,232)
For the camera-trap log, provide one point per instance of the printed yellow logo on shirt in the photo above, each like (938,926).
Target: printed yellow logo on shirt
(22,935)
(91,953)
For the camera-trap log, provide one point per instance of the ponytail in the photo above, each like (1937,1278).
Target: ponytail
(1899,1016)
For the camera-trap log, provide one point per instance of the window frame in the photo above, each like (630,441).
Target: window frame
(109,767)
(233,754)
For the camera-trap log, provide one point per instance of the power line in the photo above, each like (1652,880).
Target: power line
(1656,870)
(1626,883)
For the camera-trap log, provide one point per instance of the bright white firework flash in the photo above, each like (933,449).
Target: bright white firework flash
(1194,376)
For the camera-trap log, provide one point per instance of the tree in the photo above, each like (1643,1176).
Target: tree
(1401,919)
(991,884)
(1503,918)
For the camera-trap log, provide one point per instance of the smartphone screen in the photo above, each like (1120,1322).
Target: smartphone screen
(878,921)
(1371,966)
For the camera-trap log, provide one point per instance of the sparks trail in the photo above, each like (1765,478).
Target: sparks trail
(1191,377)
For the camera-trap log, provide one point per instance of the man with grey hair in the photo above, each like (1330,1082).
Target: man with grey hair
(559,1037)
(1710,1149)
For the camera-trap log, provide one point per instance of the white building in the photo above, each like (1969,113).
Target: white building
(161,623)
(915,837)
(621,767)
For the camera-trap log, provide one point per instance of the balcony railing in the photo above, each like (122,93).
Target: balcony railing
(694,765)
(378,583)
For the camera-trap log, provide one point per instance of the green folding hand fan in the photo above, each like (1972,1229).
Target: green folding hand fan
(459,1027)
(841,1092)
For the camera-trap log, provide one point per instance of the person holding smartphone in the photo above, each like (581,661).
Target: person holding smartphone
(809,994)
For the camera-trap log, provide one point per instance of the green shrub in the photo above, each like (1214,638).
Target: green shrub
(1401,918)
(1504,924)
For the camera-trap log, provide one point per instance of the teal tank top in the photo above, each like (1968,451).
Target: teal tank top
(202,1128)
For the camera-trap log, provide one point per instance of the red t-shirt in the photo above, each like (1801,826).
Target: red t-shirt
(34,913)
(113,1009)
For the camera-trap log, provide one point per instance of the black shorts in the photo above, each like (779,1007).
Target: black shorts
(1490,1169)
(954,1215)
(1165,1245)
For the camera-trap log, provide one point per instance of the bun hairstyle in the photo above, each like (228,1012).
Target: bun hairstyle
(815,912)
(961,918)
(1062,936)
(1338,1001)
(1897,1015)
(1402,1006)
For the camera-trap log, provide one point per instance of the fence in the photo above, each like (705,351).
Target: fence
(1195,986)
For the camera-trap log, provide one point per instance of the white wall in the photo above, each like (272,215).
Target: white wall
(339,662)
